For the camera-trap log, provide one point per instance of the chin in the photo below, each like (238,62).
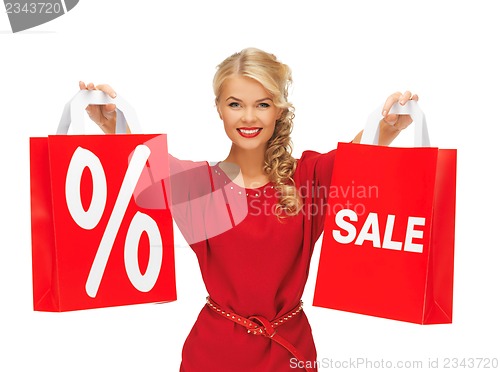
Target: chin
(250,147)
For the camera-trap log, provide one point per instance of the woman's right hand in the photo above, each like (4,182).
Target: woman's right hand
(103,115)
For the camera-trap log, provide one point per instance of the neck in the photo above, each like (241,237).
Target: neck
(251,164)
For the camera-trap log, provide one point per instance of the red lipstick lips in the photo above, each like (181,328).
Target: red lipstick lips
(249,132)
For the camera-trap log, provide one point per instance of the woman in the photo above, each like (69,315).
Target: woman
(255,271)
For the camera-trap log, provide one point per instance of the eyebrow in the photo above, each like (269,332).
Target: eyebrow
(239,100)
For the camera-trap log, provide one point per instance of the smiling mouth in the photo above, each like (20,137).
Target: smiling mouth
(249,132)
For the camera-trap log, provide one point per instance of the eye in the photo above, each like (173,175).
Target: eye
(264,105)
(234,104)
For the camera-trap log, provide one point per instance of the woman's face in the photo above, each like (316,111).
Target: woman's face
(248,112)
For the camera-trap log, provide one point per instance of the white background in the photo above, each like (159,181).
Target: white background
(347,57)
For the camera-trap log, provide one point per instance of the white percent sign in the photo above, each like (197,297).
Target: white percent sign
(88,219)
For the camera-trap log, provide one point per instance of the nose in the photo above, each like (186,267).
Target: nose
(249,116)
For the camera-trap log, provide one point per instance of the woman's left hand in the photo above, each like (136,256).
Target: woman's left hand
(392,124)
(399,122)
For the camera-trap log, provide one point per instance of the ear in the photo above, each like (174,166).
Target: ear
(279,113)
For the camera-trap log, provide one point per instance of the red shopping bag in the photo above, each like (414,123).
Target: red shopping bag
(388,244)
(92,245)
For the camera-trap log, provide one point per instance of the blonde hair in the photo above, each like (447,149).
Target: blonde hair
(276,78)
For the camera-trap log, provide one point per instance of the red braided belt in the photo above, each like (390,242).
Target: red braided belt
(260,326)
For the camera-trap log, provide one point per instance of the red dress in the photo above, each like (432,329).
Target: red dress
(256,266)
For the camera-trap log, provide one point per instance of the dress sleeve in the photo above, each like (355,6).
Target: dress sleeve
(191,185)
(312,177)
(187,185)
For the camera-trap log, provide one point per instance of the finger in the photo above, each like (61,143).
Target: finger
(90,111)
(391,100)
(107,89)
(90,86)
(391,119)
(109,107)
(405,97)
(108,110)
(82,85)
(414,97)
